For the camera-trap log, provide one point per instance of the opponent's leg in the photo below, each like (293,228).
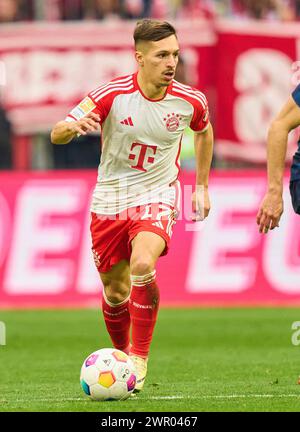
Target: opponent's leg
(115,302)
(144,298)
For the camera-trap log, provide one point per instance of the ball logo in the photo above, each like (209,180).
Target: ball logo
(172,121)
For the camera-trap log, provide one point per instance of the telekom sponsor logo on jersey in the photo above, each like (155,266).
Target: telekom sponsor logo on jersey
(140,155)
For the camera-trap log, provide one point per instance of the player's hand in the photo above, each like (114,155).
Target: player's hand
(200,203)
(270,212)
(89,123)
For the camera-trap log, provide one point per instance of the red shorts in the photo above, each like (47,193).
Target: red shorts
(112,234)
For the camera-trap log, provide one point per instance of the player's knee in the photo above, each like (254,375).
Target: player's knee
(116,298)
(116,291)
(141,266)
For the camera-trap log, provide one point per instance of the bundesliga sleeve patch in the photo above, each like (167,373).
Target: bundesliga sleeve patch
(84,108)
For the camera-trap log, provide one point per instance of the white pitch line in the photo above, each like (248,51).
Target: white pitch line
(171,397)
(243,396)
(233,396)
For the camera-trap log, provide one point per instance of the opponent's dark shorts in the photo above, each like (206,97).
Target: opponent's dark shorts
(295,195)
(295,182)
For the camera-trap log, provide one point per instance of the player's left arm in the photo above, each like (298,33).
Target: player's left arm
(271,208)
(203,143)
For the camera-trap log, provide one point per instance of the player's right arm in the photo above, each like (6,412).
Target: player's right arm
(64,131)
(271,207)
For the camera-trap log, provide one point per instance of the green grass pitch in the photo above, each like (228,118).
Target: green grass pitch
(201,360)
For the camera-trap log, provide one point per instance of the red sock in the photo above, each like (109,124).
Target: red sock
(143,308)
(117,321)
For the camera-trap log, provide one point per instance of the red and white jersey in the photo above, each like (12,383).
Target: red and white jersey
(141,141)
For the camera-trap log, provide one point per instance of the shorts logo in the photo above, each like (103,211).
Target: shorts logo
(96,258)
(172,121)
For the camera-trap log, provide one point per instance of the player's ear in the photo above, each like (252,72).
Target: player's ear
(139,58)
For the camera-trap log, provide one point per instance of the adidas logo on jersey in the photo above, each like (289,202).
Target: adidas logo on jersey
(127,121)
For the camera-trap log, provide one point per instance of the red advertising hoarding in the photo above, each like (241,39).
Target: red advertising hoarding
(247,71)
(46,69)
(257,71)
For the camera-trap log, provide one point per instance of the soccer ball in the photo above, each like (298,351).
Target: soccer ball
(108,374)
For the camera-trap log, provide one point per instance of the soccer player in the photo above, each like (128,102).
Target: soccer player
(137,196)
(271,207)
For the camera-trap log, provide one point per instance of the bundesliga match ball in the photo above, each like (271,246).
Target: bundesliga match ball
(108,374)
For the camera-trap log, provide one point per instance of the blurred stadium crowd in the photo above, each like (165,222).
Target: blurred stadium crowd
(28,10)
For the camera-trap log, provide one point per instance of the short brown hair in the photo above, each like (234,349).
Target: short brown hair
(152,30)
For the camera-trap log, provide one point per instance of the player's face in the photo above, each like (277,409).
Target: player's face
(160,59)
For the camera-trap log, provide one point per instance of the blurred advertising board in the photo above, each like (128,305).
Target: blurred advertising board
(246,69)
(46,259)
(258,68)
(50,67)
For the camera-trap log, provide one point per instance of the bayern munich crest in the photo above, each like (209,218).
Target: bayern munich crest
(172,121)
